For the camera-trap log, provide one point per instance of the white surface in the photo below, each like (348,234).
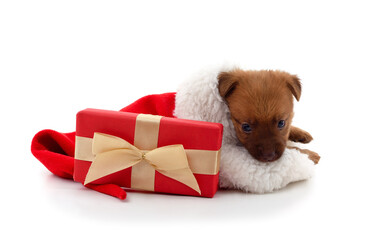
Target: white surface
(57,58)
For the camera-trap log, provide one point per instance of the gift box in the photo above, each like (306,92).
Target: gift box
(147,152)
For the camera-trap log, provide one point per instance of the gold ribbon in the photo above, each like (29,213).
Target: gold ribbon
(200,161)
(113,154)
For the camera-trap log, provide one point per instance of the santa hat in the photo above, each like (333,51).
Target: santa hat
(197,99)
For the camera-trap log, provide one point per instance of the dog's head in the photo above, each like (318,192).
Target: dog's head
(261,107)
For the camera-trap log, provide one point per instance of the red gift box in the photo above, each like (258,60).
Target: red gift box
(144,140)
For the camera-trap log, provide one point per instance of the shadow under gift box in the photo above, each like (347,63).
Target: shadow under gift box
(201,141)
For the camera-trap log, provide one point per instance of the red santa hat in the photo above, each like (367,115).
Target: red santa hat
(197,99)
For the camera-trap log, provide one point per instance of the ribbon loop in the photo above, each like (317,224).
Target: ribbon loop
(105,142)
(113,154)
(162,161)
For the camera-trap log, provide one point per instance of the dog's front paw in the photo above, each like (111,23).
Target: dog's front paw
(299,135)
(305,138)
(313,156)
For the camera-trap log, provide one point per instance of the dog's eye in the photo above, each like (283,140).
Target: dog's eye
(246,127)
(281,124)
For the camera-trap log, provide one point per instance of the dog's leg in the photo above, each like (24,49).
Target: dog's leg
(313,156)
(299,135)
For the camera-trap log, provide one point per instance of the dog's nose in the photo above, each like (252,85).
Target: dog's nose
(266,154)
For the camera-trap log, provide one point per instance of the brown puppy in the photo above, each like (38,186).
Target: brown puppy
(261,107)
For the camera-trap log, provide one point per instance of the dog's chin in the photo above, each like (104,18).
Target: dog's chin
(266,159)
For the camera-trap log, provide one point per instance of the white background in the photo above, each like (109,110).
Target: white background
(58,57)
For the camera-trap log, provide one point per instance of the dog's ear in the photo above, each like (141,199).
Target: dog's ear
(227,83)
(294,84)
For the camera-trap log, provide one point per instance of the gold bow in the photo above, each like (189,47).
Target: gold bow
(113,154)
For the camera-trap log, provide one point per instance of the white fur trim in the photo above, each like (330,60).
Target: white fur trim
(198,99)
